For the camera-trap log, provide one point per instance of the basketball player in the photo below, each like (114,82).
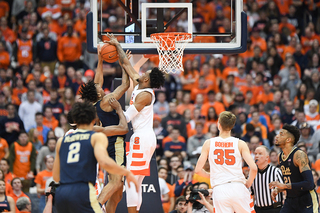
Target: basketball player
(75,164)
(225,153)
(140,113)
(93,92)
(298,179)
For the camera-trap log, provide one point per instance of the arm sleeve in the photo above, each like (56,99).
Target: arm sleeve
(307,183)
(131,113)
(178,189)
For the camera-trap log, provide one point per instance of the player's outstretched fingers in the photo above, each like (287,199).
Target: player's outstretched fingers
(128,53)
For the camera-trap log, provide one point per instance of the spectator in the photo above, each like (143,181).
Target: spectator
(273,156)
(277,126)
(275,104)
(32,87)
(47,50)
(312,116)
(4,57)
(7,203)
(300,118)
(7,33)
(23,49)
(49,120)
(164,190)
(4,148)
(41,179)
(51,9)
(61,81)
(24,205)
(185,179)
(68,99)
(161,107)
(11,125)
(186,104)
(4,166)
(56,106)
(253,144)
(175,119)
(175,146)
(48,150)
(306,134)
(63,126)
(160,132)
(195,141)
(174,168)
(28,109)
(314,149)
(181,205)
(33,138)
(42,129)
(69,47)
(288,116)
(23,159)
(17,191)
(212,103)
(169,204)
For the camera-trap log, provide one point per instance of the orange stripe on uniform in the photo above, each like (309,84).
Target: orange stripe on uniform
(251,205)
(138,163)
(145,172)
(137,155)
(253,211)
(136,147)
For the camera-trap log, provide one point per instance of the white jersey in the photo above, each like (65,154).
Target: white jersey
(70,131)
(144,119)
(225,161)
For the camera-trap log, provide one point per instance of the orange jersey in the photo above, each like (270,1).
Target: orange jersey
(8,177)
(8,34)
(31,77)
(8,188)
(69,48)
(166,205)
(18,92)
(182,107)
(4,60)
(52,124)
(4,8)
(219,107)
(42,178)
(24,54)
(3,146)
(229,71)
(191,75)
(22,164)
(15,198)
(81,26)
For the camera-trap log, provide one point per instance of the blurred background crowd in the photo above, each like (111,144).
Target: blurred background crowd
(43,61)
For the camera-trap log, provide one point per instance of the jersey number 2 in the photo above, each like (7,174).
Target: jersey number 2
(73,154)
(224,157)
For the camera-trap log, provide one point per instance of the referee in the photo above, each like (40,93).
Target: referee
(260,187)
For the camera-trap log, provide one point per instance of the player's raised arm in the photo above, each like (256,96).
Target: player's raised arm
(56,164)
(123,59)
(98,78)
(100,144)
(121,128)
(202,160)
(245,153)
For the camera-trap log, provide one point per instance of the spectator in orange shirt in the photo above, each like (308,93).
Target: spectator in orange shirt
(308,38)
(23,49)
(201,89)
(231,69)
(169,204)
(51,9)
(266,95)
(17,191)
(8,34)
(54,103)
(219,107)
(23,160)
(188,76)
(69,48)
(49,120)
(227,95)
(61,80)
(4,9)
(4,57)
(67,6)
(41,179)
(175,146)
(5,166)
(210,78)
(7,203)
(81,25)
(19,89)
(257,40)
(4,148)
(186,104)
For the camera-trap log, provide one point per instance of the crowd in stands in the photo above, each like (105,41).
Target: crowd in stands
(43,61)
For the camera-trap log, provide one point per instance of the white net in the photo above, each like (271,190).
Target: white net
(170,48)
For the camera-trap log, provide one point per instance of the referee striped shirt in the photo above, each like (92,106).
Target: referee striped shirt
(260,187)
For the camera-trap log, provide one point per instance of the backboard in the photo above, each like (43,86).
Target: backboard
(217,27)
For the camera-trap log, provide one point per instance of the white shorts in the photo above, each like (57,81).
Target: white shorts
(232,197)
(142,147)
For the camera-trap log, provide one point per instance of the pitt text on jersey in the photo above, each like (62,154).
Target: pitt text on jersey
(285,171)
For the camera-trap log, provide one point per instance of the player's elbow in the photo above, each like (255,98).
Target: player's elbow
(254,169)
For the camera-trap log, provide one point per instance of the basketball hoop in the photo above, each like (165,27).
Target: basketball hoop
(170,47)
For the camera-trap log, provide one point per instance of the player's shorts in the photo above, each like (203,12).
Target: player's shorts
(117,150)
(307,203)
(76,197)
(142,147)
(232,197)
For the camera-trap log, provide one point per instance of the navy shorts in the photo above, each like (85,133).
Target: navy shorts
(117,151)
(307,203)
(76,197)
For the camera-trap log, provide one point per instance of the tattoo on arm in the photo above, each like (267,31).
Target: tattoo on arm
(121,53)
(288,186)
(301,160)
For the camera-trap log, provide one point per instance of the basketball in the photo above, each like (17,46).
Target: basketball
(109,53)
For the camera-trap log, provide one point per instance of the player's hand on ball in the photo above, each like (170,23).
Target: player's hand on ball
(114,104)
(99,51)
(113,40)
(131,179)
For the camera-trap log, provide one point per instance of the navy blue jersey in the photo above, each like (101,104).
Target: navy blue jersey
(108,119)
(291,173)
(4,205)
(77,160)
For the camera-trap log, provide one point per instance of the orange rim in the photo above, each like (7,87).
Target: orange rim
(165,36)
